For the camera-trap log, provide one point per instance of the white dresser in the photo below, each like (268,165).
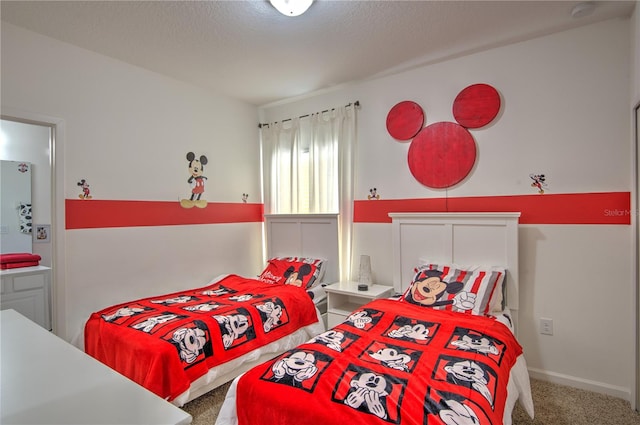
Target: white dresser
(46,380)
(27,290)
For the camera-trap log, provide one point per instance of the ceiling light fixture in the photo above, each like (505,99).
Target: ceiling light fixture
(583,9)
(291,7)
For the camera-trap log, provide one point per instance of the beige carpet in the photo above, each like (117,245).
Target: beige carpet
(560,405)
(554,404)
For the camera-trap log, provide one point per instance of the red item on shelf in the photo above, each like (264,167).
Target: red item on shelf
(19,259)
(5,266)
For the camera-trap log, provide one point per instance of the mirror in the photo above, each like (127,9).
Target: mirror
(16,218)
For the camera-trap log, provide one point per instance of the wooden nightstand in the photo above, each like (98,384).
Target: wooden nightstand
(344,297)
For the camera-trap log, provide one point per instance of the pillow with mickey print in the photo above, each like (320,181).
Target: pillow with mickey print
(302,272)
(448,287)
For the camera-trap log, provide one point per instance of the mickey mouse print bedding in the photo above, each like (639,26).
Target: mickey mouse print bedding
(165,343)
(390,362)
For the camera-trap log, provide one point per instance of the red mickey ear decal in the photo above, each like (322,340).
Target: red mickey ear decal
(404,120)
(476,106)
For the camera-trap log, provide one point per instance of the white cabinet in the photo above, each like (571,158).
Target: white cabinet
(344,297)
(27,290)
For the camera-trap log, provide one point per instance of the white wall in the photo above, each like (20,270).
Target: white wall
(565,114)
(127,132)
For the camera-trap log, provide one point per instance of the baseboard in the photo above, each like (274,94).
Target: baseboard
(580,383)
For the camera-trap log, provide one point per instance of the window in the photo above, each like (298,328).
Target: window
(302,159)
(308,168)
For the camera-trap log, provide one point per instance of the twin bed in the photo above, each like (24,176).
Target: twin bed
(442,350)
(184,344)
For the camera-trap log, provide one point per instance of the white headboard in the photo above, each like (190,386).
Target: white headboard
(489,239)
(304,235)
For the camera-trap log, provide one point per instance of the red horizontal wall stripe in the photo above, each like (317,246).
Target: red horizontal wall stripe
(573,208)
(89,214)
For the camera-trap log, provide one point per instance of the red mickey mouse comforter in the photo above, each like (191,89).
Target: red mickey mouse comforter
(164,343)
(389,363)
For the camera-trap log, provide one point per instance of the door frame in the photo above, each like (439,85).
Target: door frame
(635,390)
(58,274)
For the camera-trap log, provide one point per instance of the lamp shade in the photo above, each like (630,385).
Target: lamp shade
(291,7)
(364,277)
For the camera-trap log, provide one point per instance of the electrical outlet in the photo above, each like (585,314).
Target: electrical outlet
(546,326)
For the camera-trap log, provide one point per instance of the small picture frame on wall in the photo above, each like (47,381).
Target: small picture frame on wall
(42,233)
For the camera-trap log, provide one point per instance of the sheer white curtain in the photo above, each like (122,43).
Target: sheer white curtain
(308,168)
(280,159)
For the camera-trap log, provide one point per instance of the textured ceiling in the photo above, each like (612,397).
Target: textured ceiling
(247,50)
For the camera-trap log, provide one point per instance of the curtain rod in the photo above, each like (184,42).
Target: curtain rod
(355,104)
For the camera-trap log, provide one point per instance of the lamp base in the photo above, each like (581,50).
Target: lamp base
(363,287)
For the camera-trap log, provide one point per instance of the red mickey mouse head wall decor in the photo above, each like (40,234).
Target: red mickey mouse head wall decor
(442,154)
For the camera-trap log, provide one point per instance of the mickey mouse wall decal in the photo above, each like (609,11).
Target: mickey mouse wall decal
(86,193)
(245,196)
(539,182)
(373,194)
(196,180)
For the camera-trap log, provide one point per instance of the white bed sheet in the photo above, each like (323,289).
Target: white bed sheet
(518,388)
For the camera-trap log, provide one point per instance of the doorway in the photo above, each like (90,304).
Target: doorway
(48,197)
(28,185)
